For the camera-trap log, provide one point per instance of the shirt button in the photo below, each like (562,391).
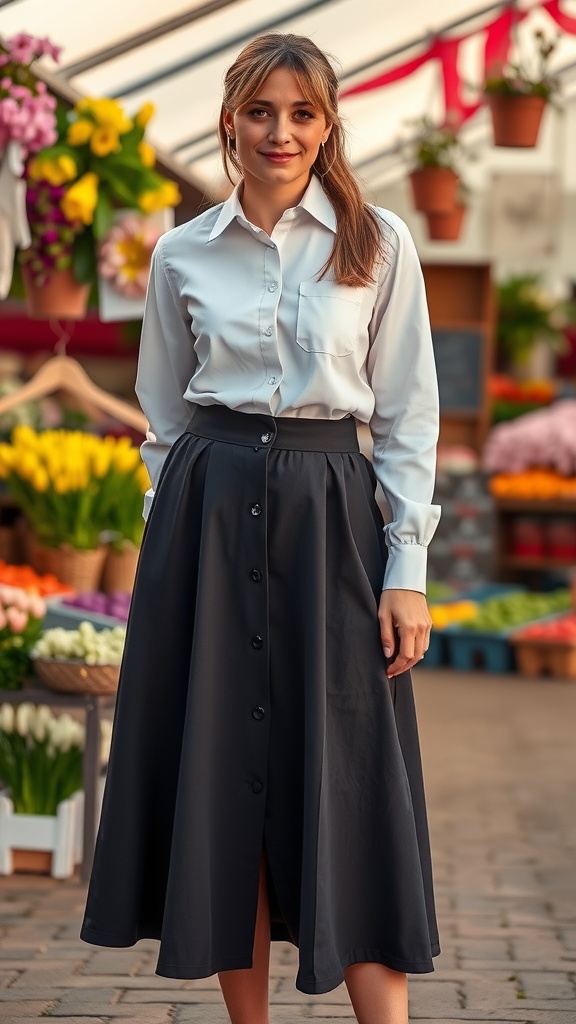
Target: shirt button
(257,643)
(272,380)
(268,332)
(266,437)
(258,714)
(256,575)
(257,786)
(256,509)
(272,287)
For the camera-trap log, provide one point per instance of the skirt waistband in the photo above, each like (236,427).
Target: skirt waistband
(256,430)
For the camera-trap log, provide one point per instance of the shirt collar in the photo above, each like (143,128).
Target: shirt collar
(314,201)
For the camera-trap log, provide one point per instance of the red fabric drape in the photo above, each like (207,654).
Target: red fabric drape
(564,21)
(446,50)
(394,75)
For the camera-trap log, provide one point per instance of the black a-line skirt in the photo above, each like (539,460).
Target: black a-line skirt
(254,714)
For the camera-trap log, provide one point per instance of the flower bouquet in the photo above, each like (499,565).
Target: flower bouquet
(71,487)
(21,616)
(101,163)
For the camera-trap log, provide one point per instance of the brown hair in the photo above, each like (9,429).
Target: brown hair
(358,244)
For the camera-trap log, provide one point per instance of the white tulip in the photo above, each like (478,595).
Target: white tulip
(24,717)
(7,718)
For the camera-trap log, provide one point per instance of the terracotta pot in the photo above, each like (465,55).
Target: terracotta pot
(37,861)
(79,569)
(446,227)
(434,189)
(61,298)
(120,569)
(516,119)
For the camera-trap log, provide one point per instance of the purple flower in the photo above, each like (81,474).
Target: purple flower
(50,236)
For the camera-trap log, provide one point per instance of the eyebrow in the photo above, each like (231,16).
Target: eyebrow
(298,103)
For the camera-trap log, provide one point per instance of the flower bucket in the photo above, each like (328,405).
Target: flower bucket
(516,119)
(61,298)
(81,570)
(120,569)
(446,227)
(42,843)
(434,189)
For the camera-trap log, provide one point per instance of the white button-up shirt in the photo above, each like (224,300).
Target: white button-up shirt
(237,317)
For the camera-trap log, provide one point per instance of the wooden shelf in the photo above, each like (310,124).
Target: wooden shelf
(543,562)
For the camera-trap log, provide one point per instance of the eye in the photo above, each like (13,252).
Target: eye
(306,115)
(255,113)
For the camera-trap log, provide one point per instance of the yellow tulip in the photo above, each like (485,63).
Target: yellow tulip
(101,460)
(144,115)
(61,483)
(109,114)
(147,154)
(27,465)
(167,194)
(104,141)
(126,461)
(80,200)
(79,132)
(143,478)
(40,480)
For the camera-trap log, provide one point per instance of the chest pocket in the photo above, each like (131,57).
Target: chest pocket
(328,317)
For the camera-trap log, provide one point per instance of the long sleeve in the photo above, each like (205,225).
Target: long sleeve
(404,426)
(165,366)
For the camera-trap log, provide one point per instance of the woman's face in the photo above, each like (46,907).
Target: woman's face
(278,133)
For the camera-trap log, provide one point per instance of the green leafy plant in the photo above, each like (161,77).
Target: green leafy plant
(526,314)
(517,79)
(41,756)
(435,145)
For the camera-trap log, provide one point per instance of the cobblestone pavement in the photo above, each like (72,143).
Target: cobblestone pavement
(500,766)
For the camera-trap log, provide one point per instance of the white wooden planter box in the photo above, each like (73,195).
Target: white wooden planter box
(60,834)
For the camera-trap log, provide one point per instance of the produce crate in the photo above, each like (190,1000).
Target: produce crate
(472,649)
(551,651)
(542,657)
(441,651)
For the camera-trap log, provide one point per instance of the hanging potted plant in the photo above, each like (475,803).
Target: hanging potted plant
(517,98)
(101,163)
(434,178)
(447,227)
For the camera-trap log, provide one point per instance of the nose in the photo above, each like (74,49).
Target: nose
(279,131)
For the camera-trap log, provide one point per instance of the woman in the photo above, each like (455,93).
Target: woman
(265,778)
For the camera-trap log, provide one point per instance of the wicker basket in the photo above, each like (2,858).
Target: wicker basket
(71,676)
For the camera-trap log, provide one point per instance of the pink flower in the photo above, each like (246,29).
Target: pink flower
(50,236)
(4,59)
(21,48)
(17,619)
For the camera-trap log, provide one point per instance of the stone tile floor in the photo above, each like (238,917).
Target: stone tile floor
(500,764)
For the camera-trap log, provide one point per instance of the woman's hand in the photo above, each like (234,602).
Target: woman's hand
(404,623)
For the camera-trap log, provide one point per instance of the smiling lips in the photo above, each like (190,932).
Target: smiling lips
(279,158)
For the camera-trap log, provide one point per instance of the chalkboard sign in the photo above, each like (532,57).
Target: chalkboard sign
(458,354)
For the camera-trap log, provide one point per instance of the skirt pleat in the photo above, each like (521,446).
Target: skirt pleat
(254,713)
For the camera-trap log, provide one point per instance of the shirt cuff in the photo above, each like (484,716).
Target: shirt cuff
(148,499)
(406,568)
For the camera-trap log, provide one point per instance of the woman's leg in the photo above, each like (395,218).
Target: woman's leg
(378,995)
(246,992)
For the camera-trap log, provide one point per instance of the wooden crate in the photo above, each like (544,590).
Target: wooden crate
(542,657)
